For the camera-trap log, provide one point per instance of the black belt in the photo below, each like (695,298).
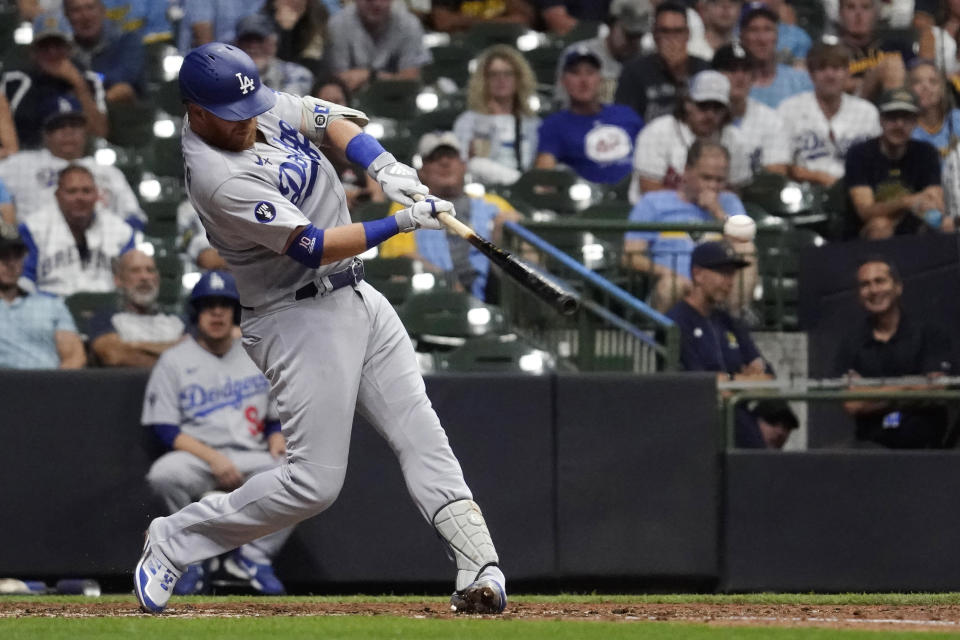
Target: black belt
(351,276)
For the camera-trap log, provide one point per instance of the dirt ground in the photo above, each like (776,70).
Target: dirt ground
(879,617)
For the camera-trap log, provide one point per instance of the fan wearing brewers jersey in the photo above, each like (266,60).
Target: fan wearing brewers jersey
(209,405)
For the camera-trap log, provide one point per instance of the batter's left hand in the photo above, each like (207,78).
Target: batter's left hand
(400,183)
(423,214)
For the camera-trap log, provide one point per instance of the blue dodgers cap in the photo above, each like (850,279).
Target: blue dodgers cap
(716,255)
(223,79)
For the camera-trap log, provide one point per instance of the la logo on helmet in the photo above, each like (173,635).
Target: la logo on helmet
(246,84)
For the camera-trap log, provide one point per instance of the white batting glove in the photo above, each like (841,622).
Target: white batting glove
(398,181)
(423,215)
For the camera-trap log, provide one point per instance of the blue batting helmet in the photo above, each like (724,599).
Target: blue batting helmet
(224,80)
(213,284)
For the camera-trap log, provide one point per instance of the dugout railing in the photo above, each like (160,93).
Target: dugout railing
(611,331)
(914,391)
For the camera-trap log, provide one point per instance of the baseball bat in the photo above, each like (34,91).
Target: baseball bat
(563,301)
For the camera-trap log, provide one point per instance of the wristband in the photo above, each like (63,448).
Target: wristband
(379,230)
(363,149)
(307,248)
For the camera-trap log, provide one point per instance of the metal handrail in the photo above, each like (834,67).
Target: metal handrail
(667,351)
(942,388)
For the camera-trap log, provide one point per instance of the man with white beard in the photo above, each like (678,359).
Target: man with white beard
(136,332)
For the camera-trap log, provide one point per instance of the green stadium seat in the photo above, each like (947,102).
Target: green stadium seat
(166,95)
(607,210)
(449,61)
(441,318)
(481,35)
(370,211)
(393,277)
(543,61)
(131,125)
(494,354)
(84,306)
(545,189)
(437,120)
(390,98)
(166,158)
(171,281)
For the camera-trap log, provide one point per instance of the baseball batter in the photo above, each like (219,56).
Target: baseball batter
(209,404)
(327,341)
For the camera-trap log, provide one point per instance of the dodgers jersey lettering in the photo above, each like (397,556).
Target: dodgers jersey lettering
(249,201)
(221,401)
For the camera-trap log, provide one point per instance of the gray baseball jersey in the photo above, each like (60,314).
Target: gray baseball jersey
(221,401)
(235,194)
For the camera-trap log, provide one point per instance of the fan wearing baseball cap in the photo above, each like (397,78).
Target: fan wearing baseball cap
(894,181)
(629,21)
(449,255)
(703,114)
(710,338)
(36,330)
(759,125)
(592,138)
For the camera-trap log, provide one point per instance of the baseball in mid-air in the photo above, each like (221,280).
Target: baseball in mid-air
(740,227)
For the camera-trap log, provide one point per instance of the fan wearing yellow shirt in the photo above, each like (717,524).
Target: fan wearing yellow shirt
(461,264)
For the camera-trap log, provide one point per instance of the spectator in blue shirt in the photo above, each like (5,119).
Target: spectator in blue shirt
(212,21)
(710,338)
(593,139)
(937,122)
(701,197)
(772,82)
(36,330)
(101,45)
(146,18)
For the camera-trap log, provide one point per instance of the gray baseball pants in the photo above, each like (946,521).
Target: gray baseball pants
(179,478)
(324,358)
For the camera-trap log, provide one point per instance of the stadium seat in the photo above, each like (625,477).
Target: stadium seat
(481,35)
(495,354)
(543,60)
(390,98)
(437,120)
(84,305)
(131,125)
(778,258)
(607,210)
(370,211)
(171,281)
(166,95)
(545,189)
(393,277)
(443,318)
(166,158)
(9,21)
(449,61)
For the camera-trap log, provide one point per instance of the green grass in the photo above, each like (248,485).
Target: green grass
(362,628)
(383,626)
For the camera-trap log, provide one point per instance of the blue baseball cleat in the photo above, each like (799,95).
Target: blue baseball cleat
(485,595)
(192,582)
(261,576)
(153,581)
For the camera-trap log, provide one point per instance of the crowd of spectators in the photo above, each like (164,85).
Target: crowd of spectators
(682,104)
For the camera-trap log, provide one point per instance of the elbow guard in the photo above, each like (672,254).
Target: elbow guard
(307,248)
(318,114)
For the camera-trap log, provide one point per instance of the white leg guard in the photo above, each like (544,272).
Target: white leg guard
(462,525)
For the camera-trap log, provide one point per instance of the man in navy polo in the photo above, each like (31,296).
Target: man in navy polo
(710,338)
